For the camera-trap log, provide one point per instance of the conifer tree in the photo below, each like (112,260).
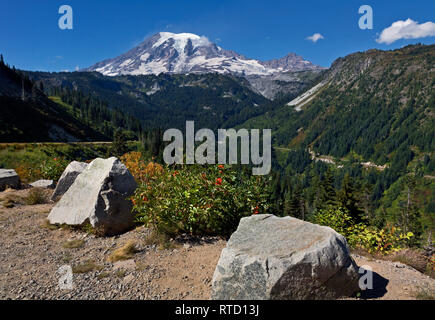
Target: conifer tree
(347,198)
(328,196)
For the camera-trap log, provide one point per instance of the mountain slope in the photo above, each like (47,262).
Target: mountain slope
(187,53)
(361,138)
(372,104)
(167,101)
(27,115)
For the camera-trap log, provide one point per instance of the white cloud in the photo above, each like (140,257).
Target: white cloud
(77,68)
(315,37)
(408,29)
(203,41)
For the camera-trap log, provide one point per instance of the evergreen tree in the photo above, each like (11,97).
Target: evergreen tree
(347,198)
(410,219)
(328,196)
(297,203)
(119,145)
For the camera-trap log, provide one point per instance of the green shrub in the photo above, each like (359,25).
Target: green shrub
(52,168)
(199,199)
(359,235)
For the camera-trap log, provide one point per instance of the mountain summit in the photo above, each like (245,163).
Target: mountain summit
(181,53)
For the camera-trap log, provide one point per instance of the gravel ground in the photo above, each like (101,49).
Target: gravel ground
(31,253)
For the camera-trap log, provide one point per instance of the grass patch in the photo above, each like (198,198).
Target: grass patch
(103,275)
(125,252)
(9,200)
(161,239)
(49,226)
(66,258)
(8,203)
(73,244)
(121,273)
(86,266)
(36,196)
(425,295)
(412,257)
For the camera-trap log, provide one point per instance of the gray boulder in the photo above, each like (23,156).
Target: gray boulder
(9,178)
(284,258)
(99,196)
(67,178)
(49,184)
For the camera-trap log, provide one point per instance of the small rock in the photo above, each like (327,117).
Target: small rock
(9,178)
(49,184)
(124,264)
(399,265)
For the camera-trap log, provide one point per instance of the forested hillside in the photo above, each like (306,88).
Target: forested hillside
(26,114)
(163,101)
(364,140)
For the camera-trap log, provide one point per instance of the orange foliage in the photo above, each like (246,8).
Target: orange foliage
(140,170)
(27,173)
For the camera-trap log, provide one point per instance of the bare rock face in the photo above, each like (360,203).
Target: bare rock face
(67,178)
(98,195)
(49,184)
(284,258)
(9,178)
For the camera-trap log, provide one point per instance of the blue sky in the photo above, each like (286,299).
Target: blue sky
(31,39)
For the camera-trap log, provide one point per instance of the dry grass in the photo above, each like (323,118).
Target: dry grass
(50,226)
(125,252)
(9,200)
(103,275)
(121,273)
(414,258)
(425,295)
(86,266)
(160,239)
(73,244)
(8,203)
(36,196)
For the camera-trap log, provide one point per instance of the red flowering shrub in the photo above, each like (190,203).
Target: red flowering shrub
(200,199)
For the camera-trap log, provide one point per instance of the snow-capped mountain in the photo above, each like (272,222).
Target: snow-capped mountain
(167,52)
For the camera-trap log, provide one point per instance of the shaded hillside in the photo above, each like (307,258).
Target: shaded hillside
(167,101)
(28,115)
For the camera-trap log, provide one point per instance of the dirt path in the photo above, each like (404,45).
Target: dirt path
(31,254)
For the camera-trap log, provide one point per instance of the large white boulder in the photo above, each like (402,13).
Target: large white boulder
(9,179)
(284,258)
(98,195)
(67,178)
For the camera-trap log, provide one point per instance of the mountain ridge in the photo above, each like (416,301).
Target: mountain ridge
(167,52)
